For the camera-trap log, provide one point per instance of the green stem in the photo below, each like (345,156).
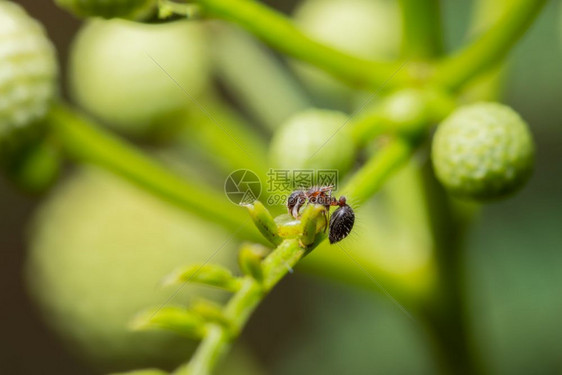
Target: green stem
(490,47)
(421,29)
(407,113)
(87,143)
(369,179)
(445,312)
(273,94)
(283,35)
(223,137)
(240,307)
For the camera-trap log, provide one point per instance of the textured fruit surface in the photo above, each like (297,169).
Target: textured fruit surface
(314,139)
(99,251)
(28,72)
(132,76)
(133,9)
(483,151)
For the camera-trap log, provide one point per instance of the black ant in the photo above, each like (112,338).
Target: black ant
(341,221)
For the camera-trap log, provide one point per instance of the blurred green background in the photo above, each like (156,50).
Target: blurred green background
(513,262)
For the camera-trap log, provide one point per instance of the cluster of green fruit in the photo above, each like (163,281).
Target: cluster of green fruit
(113,77)
(117,75)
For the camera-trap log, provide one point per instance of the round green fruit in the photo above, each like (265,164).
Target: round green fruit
(314,139)
(132,9)
(28,76)
(100,249)
(134,77)
(483,151)
(366,28)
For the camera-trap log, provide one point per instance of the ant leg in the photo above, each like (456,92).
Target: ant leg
(326,222)
(296,200)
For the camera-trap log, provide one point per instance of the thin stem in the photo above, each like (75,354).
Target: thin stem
(445,312)
(490,47)
(283,35)
(87,143)
(370,178)
(240,307)
(421,28)
(408,113)
(225,138)
(273,94)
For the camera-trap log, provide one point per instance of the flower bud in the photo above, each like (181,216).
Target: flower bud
(250,260)
(264,222)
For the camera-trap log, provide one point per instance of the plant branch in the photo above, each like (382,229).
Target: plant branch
(262,276)
(370,178)
(273,94)
(489,48)
(445,311)
(407,113)
(280,33)
(421,28)
(227,140)
(87,143)
(241,306)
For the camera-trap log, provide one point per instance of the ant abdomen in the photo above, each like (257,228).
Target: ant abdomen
(341,223)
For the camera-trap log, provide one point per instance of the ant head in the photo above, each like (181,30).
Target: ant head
(342,201)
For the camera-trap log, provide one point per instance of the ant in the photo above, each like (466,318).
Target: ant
(341,221)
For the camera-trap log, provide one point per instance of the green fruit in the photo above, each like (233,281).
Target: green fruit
(132,9)
(314,139)
(28,74)
(483,151)
(132,76)
(365,28)
(100,249)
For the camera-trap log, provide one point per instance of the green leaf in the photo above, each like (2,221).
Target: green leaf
(208,274)
(170,318)
(211,312)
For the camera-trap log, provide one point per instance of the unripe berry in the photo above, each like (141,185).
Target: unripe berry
(366,28)
(99,250)
(131,9)
(314,139)
(483,151)
(28,72)
(126,74)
